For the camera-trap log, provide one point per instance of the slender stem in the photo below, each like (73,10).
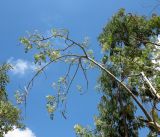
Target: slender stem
(39,71)
(124,86)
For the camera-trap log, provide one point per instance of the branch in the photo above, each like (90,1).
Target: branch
(85,56)
(154,92)
(72,79)
(157,126)
(124,86)
(84,71)
(39,71)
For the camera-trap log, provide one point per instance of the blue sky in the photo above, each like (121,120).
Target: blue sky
(82,18)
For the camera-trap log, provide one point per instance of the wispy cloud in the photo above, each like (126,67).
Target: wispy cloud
(52,20)
(20,133)
(20,66)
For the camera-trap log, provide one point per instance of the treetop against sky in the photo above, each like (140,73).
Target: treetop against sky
(82,19)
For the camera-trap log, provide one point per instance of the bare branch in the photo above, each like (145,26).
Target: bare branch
(69,68)
(154,92)
(72,79)
(40,70)
(84,71)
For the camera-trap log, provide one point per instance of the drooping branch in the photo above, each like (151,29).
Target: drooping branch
(75,73)
(44,67)
(91,60)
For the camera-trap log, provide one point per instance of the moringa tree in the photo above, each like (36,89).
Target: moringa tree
(130,72)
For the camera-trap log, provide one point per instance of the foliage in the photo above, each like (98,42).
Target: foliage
(82,132)
(48,52)
(130,72)
(51,105)
(9,114)
(129,42)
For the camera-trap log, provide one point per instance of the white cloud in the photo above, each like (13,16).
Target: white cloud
(21,66)
(20,133)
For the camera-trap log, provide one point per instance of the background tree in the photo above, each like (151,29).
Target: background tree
(9,114)
(130,45)
(127,55)
(130,72)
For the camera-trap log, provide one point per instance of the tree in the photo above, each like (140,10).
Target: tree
(129,41)
(9,114)
(130,72)
(117,109)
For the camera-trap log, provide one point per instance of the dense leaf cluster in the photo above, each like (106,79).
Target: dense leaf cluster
(9,114)
(130,44)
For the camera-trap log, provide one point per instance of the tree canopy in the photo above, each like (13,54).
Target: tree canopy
(9,114)
(130,44)
(130,76)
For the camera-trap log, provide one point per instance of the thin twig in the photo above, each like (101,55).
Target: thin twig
(39,71)
(72,79)
(84,71)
